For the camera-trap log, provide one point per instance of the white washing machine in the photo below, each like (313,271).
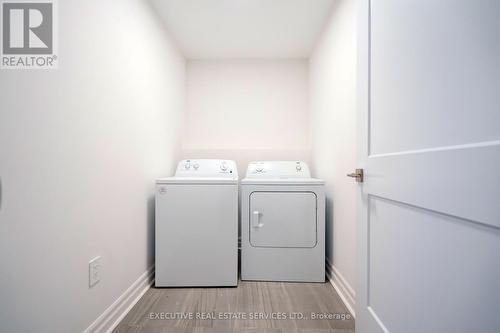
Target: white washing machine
(196,227)
(283,223)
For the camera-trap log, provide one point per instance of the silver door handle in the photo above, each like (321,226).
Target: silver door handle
(358,175)
(256,219)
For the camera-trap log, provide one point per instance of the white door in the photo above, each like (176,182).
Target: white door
(283,219)
(429,207)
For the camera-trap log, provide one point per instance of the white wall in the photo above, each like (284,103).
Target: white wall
(333,132)
(246,110)
(80,148)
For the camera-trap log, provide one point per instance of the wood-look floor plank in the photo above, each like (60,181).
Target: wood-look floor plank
(249,297)
(329,302)
(169,329)
(226,301)
(123,328)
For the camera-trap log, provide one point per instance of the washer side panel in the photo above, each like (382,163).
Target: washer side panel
(196,235)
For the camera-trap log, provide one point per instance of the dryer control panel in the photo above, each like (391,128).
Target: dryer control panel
(206,168)
(278,169)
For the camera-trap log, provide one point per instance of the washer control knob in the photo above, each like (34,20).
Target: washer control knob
(223,166)
(259,169)
(298,167)
(196,166)
(187,165)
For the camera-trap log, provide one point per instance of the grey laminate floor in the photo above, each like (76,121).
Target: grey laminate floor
(255,307)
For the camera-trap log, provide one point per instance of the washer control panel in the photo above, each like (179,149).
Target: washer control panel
(206,168)
(278,169)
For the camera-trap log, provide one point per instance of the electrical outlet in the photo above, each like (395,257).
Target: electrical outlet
(94,271)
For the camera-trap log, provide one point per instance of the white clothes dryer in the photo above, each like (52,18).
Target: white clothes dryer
(283,223)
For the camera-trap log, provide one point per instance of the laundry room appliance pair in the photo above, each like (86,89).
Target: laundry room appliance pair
(196,228)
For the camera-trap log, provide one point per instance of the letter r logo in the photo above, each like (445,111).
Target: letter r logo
(27,27)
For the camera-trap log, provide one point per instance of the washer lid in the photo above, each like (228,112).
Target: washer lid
(198,180)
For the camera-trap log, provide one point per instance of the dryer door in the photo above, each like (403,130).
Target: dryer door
(283,219)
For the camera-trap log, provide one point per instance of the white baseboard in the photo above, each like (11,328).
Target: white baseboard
(112,316)
(343,288)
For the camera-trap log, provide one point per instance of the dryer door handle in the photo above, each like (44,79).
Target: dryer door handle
(256,219)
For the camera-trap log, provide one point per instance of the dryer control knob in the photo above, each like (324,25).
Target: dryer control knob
(223,166)
(187,165)
(298,167)
(259,169)
(196,166)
